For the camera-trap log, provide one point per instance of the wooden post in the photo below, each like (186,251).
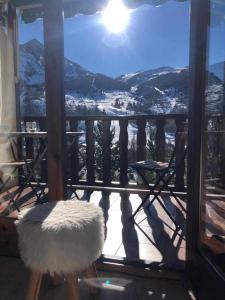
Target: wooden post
(123,141)
(198,54)
(160,139)
(55,96)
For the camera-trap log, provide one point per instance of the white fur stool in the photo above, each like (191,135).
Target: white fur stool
(62,237)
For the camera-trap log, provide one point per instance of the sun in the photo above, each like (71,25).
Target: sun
(116,16)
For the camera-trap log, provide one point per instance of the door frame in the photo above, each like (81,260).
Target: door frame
(205,279)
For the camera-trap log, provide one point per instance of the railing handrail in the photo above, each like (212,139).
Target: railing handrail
(118,117)
(140,122)
(127,117)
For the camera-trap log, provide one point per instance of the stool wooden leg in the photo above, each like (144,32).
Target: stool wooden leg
(92,273)
(57,279)
(34,286)
(73,287)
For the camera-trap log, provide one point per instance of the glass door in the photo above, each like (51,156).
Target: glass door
(206,175)
(212,195)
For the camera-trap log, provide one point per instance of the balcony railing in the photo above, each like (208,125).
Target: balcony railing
(153,128)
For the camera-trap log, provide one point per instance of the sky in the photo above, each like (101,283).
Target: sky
(154,37)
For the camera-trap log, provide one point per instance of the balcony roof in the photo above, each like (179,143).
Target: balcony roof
(32,8)
(129,3)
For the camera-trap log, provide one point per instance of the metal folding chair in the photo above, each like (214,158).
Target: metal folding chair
(165,172)
(26,174)
(25,179)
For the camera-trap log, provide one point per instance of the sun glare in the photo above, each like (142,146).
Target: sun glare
(115,16)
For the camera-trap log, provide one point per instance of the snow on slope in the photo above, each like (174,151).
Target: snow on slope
(142,76)
(161,90)
(31,63)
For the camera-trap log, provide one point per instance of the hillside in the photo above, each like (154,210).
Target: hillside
(162,90)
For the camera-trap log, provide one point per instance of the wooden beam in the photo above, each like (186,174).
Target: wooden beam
(55,96)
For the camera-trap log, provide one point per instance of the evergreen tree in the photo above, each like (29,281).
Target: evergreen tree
(114,146)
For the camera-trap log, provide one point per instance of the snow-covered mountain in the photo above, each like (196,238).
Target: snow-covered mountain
(218,69)
(76,77)
(142,76)
(162,90)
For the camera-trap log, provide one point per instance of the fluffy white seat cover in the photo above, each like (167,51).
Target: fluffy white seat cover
(61,237)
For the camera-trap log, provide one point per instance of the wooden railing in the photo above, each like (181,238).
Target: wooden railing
(158,122)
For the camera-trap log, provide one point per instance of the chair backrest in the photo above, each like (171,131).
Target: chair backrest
(173,159)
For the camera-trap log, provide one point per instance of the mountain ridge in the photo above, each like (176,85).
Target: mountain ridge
(159,90)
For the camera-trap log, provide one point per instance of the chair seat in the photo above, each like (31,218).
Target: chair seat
(150,165)
(14,163)
(164,172)
(61,237)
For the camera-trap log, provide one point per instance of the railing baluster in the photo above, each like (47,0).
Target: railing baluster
(123,141)
(160,140)
(141,140)
(90,157)
(29,148)
(141,153)
(43,164)
(222,149)
(74,159)
(106,152)
(180,147)
(42,124)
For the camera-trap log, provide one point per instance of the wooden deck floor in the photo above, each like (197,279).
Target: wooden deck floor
(154,241)
(14,280)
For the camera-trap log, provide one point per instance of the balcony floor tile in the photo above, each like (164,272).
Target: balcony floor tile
(152,238)
(14,280)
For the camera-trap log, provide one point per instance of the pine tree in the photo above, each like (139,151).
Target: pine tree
(114,146)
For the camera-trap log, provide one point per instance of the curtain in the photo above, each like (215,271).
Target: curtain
(7,97)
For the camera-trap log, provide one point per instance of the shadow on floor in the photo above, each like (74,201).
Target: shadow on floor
(154,240)
(164,239)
